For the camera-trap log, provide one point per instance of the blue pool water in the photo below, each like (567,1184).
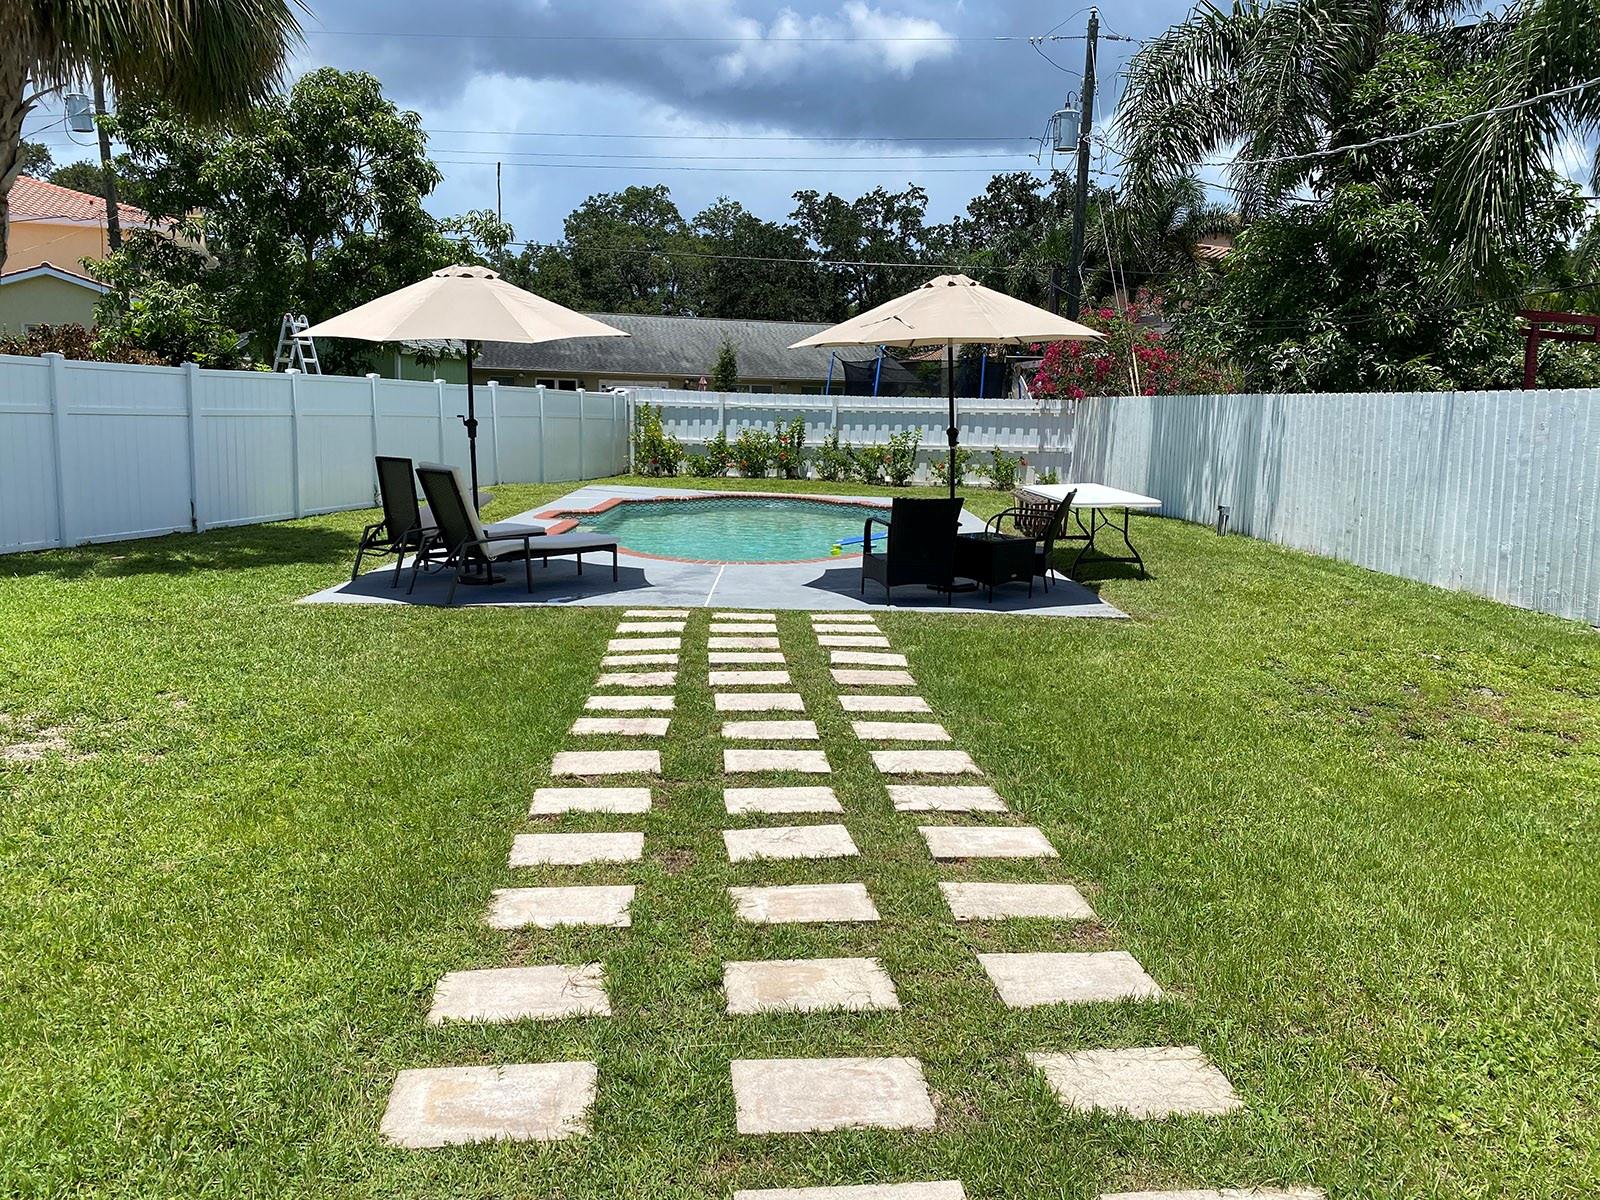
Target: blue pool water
(734,528)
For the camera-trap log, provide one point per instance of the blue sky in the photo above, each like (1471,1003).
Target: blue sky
(838,95)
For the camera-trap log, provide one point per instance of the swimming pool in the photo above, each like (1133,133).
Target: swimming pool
(733,528)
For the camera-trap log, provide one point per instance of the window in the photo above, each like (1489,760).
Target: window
(557,385)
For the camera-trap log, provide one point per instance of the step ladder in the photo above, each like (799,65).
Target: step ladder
(295,350)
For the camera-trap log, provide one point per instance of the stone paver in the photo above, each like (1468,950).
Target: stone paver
(814,1095)
(946,1189)
(865,658)
(520,994)
(651,626)
(639,679)
(789,841)
(900,731)
(630,704)
(1213,1194)
(1002,901)
(635,645)
(574,849)
(780,800)
(743,627)
(1030,980)
(924,762)
(986,841)
(864,677)
(623,726)
(803,903)
(457,1106)
(606,762)
(845,618)
(930,797)
(1149,1081)
(552,801)
(808,985)
(866,702)
(853,639)
(668,659)
(744,616)
(728,658)
(741,643)
(748,678)
(776,731)
(658,613)
(759,702)
(551,907)
(807,762)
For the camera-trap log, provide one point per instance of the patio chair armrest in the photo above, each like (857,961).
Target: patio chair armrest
(993,524)
(866,532)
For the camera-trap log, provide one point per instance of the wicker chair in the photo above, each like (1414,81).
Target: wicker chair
(1041,521)
(920,546)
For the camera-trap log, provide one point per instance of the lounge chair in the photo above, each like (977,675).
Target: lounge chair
(469,548)
(920,546)
(405,528)
(1041,521)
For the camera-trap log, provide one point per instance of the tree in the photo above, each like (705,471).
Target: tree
(629,250)
(879,226)
(1011,234)
(725,375)
(779,287)
(204,59)
(35,160)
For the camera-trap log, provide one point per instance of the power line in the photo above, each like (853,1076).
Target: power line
(712,38)
(743,137)
(614,166)
(504,154)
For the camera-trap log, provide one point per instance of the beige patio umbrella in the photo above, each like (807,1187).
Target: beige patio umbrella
(952,310)
(468,304)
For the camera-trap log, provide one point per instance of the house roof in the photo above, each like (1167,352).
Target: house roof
(35,200)
(667,347)
(51,271)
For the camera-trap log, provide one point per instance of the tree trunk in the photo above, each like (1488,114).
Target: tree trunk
(15,105)
(108,177)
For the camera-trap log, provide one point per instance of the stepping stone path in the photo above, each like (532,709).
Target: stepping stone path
(456,1105)
(808,985)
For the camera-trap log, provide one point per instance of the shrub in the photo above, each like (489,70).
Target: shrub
(1001,471)
(753,452)
(719,454)
(835,462)
(72,341)
(725,375)
(939,466)
(902,456)
(788,448)
(1049,476)
(655,451)
(699,466)
(869,464)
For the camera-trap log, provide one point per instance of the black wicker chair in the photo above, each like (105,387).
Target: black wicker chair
(920,546)
(405,529)
(1039,520)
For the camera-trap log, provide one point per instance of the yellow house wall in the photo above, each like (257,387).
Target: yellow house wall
(64,246)
(45,301)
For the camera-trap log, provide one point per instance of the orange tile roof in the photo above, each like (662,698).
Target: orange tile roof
(36,200)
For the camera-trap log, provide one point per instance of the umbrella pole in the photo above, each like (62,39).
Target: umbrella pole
(952,432)
(472,427)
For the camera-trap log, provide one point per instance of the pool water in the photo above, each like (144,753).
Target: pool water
(734,528)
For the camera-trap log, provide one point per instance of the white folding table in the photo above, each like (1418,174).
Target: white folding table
(1097,500)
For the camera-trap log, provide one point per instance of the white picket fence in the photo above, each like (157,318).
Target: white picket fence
(101,451)
(1496,493)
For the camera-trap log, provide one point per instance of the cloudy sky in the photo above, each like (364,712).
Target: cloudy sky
(744,98)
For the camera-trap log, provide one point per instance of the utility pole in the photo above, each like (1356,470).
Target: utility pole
(497,211)
(108,179)
(1080,205)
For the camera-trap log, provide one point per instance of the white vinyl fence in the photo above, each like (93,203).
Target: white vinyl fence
(1496,493)
(102,451)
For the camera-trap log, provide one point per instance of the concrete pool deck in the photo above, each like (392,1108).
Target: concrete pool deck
(829,584)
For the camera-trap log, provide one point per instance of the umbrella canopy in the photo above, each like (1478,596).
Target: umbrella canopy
(951,311)
(469,304)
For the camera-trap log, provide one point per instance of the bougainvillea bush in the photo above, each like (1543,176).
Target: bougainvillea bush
(1135,358)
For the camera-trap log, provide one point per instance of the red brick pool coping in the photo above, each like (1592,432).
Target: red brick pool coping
(566,522)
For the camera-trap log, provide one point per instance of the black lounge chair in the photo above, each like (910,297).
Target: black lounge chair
(920,546)
(470,549)
(1041,522)
(405,528)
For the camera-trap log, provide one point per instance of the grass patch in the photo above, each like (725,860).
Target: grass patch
(1347,821)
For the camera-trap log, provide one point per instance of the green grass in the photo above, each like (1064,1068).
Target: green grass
(1347,821)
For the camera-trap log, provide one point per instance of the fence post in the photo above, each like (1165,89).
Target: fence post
(540,390)
(294,438)
(56,372)
(494,428)
(835,397)
(372,391)
(438,386)
(580,395)
(191,388)
(722,412)
(633,466)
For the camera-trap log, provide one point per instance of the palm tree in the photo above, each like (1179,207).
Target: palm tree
(203,58)
(1267,83)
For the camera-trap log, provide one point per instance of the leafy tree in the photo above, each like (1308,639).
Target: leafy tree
(1011,234)
(733,285)
(35,160)
(204,59)
(627,250)
(878,226)
(725,375)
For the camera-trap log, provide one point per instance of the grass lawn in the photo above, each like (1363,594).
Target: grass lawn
(1348,822)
